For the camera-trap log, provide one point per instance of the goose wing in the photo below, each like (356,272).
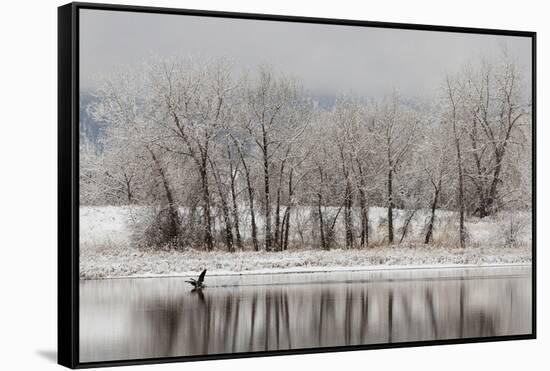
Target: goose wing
(201,277)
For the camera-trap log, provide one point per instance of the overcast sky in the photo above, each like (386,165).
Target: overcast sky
(328,59)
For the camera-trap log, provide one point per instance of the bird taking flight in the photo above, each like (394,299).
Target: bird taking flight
(199,283)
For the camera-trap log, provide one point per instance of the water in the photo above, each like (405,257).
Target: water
(161,317)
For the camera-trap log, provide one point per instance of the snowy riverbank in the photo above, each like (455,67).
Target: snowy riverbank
(129,262)
(107,251)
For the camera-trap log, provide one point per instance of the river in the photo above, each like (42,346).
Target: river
(138,318)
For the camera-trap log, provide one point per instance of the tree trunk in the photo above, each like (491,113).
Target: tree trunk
(277,235)
(129,193)
(236,215)
(462,230)
(429,232)
(406,226)
(208,240)
(191,224)
(227,222)
(286,227)
(329,235)
(321,222)
(390,206)
(253,217)
(173,221)
(234,201)
(363,205)
(482,208)
(278,231)
(225,210)
(347,200)
(267,194)
(250,192)
(364,218)
(480,182)
(491,199)
(347,217)
(286,217)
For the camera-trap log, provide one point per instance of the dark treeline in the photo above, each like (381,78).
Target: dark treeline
(231,160)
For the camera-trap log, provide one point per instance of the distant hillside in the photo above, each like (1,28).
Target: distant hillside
(91,131)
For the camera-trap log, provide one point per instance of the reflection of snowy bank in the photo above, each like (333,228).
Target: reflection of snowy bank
(106,250)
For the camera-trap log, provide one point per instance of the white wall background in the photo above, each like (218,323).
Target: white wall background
(28,181)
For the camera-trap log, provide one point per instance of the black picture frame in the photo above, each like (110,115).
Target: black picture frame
(68,185)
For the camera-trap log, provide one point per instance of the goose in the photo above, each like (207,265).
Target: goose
(199,283)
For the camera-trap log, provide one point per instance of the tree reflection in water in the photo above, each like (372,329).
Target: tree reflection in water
(128,319)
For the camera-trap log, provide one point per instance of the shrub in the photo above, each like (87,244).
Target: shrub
(511,227)
(158,228)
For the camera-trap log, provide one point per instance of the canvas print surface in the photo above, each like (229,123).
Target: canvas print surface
(252,185)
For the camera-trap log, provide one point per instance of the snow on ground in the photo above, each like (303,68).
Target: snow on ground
(106,249)
(131,262)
